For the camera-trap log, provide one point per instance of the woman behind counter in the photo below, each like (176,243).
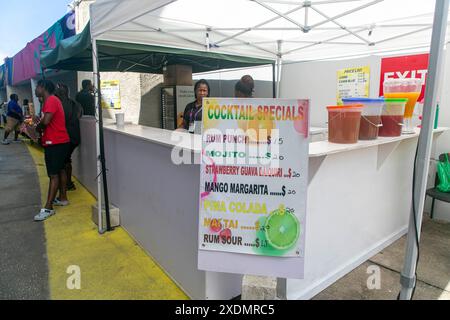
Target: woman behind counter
(192,116)
(245,87)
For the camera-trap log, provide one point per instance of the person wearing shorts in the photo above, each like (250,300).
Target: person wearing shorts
(56,143)
(73,111)
(14,117)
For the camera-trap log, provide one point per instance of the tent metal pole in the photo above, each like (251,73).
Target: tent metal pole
(257,26)
(315,3)
(317,43)
(138,16)
(101,162)
(279,57)
(103,158)
(408,277)
(314,26)
(302,27)
(97,131)
(306,16)
(299,42)
(378,26)
(246,43)
(404,35)
(281,282)
(274,81)
(366,53)
(329,19)
(202,45)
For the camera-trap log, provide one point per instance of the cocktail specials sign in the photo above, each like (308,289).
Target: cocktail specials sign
(353,83)
(254,176)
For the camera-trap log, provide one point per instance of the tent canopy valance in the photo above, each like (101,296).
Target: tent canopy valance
(75,53)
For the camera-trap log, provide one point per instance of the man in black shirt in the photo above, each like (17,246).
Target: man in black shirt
(72,113)
(86,98)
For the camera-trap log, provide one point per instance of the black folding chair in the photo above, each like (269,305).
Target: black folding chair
(435,194)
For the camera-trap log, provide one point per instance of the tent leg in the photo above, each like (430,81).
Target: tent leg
(408,278)
(279,55)
(278,77)
(274,81)
(97,131)
(101,163)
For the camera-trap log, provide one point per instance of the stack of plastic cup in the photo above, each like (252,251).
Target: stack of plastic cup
(408,89)
(370,117)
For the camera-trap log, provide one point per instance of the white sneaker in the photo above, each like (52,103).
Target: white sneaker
(5,142)
(60,203)
(44,214)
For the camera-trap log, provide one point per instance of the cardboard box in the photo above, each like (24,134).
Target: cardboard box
(178,75)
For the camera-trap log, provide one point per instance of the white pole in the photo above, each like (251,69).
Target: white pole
(408,277)
(279,65)
(97,132)
(281,282)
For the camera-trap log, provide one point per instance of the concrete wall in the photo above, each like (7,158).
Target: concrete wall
(69,78)
(318,81)
(26,90)
(130,93)
(225,88)
(150,113)
(23,91)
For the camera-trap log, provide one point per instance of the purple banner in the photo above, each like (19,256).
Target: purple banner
(26,64)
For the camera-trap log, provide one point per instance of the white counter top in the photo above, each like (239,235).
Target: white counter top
(324,148)
(317,130)
(183,140)
(193,143)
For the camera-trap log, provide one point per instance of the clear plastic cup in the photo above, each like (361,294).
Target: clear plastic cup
(392,117)
(344,123)
(404,88)
(370,117)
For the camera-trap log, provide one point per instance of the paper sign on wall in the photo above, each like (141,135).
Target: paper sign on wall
(110,90)
(353,82)
(254,176)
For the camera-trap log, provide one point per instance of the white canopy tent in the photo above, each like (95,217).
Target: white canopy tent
(295,30)
(288,30)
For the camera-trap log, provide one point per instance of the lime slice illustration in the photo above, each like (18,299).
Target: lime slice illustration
(282,229)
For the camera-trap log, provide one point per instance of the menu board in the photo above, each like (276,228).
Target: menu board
(254,176)
(353,83)
(110,90)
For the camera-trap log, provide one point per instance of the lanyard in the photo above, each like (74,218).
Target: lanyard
(195,116)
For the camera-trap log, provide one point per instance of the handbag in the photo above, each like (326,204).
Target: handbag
(443,171)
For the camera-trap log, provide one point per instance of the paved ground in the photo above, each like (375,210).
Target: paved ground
(433,272)
(23,262)
(112,266)
(37,259)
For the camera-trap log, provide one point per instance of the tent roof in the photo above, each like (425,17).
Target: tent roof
(75,53)
(305,29)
